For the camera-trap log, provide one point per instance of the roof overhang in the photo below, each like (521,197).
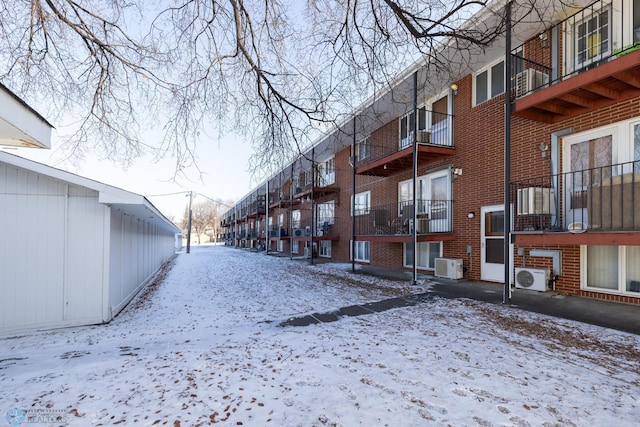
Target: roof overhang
(20,125)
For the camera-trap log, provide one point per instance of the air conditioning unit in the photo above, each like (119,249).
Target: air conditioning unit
(535,279)
(450,268)
(423,226)
(424,137)
(298,232)
(536,201)
(528,81)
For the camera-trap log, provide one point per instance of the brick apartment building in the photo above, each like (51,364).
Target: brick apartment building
(423,165)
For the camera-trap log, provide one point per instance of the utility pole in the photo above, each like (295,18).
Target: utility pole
(189,223)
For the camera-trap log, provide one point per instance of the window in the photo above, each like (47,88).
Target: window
(427,253)
(592,37)
(325,214)
(325,248)
(433,195)
(362,249)
(326,173)
(295,247)
(280,245)
(611,269)
(361,203)
(295,219)
(408,125)
(363,149)
(489,83)
(280,220)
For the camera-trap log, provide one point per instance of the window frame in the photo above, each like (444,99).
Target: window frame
(366,248)
(354,203)
(489,92)
(620,268)
(428,254)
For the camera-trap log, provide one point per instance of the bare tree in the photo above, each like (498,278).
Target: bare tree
(274,71)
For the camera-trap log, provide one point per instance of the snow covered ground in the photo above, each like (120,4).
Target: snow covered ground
(202,346)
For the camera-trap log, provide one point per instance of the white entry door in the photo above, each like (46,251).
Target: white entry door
(492,244)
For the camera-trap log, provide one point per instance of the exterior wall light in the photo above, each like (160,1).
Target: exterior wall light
(471,215)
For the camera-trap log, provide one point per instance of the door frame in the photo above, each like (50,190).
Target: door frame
(492,272)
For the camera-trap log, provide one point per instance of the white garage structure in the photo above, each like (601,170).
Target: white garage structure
(73,251)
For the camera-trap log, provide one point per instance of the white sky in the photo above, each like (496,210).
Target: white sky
(205,346)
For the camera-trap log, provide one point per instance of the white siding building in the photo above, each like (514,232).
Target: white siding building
(73,251)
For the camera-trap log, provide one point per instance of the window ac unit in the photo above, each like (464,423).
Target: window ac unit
(424,137)
(536,201)
(528,81)
(535,279)
(450,268)
(423,226)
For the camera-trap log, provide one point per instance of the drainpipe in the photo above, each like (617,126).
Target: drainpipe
(313,204)
(507,157)
(353,199)
(414,234)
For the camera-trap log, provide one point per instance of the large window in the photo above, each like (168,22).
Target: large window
(611,269)
(489,83)
(362,251)
(325,248)
(427,253)
(363,149)
(433,196)
(592,37)
(325,215)
(361,203)
(295,219)
(587,163)
(326,173)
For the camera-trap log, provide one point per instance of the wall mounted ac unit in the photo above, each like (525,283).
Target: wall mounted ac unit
(536,201)
(528,81)
(298,232)
(450,268)
(535,279)
(424,137)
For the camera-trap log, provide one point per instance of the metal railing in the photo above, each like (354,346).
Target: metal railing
(433,216)
(437,132)
(590,37)
(604,199)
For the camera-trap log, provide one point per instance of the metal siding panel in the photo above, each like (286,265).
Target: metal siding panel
(30,256)
(84,287)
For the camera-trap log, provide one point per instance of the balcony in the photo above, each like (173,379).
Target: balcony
(394,222)
(277,233)
(321,189)
(592,206)
(391,157)
(324,230)
(596,65)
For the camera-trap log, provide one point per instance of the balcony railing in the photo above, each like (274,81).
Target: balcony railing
(590,37)
(433,216)
(438,133)
(601,199)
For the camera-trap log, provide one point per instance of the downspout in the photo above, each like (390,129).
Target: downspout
(507,157)
(313,204)
(267,238)
(414,234)
(353,199)
(291,190)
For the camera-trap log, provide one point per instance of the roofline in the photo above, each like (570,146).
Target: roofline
(24,104)
(107,194)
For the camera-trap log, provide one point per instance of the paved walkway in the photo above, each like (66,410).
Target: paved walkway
(622,317)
